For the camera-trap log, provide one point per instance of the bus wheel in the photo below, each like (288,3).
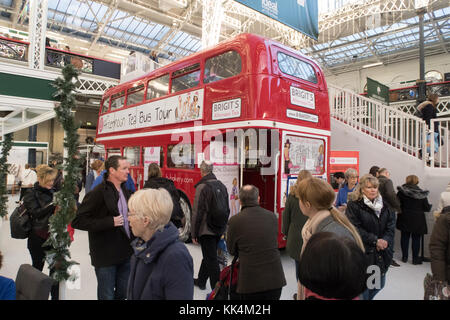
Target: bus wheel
(185,229)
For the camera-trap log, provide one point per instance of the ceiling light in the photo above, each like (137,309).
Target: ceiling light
(372,65)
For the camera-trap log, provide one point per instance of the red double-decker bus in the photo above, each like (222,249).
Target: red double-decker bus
(255,108)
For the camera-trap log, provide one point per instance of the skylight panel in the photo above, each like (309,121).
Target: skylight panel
(7,3)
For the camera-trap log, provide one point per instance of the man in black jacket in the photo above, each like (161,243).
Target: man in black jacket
(201,232)
(389,195)
(104,214)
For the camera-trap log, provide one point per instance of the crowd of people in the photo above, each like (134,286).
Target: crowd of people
(333,239)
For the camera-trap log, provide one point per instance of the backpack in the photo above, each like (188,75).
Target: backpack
(219,209)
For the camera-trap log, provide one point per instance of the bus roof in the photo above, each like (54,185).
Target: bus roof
(243,39)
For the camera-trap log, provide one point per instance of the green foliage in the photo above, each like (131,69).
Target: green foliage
(59,239)
(6,147)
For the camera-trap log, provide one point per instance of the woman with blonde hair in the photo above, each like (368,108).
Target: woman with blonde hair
(293,221)
(375,223)
(39,204)
(316,198)
(161,267)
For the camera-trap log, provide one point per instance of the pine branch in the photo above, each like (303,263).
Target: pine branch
(58,257)
(6,147)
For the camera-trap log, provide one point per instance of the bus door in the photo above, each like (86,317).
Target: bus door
(258,167)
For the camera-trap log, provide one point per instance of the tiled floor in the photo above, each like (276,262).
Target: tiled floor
(403,283)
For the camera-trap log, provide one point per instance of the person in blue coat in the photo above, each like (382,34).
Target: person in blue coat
(7,286)
(351,180)
(161,266)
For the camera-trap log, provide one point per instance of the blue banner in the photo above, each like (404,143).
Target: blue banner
(302,15)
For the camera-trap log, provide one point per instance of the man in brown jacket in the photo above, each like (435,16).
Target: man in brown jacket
(440,247)
(252,235)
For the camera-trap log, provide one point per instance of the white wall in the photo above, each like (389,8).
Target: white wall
(389,74)
(374,152)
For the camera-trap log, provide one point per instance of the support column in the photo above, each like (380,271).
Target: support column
(422,88)
(37,30)
(32,136)
(212,18)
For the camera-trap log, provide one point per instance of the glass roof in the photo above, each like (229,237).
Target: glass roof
(382,41)
(122,29)
(109,24)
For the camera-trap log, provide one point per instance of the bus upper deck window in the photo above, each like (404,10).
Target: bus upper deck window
(186,78)
(223,66)
(296,67)
(135,94)
(117,100)
(158,87)
(105,105)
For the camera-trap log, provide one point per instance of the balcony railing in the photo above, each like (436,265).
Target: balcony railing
(18,50)
(59,59)
(13,49)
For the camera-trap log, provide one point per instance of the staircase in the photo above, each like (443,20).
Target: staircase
(391,138)
(390,125)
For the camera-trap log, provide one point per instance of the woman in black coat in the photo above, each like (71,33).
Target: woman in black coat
(375,223)
(411,222)
(39,204)
(155,181)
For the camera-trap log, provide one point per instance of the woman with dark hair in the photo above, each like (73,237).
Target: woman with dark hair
(411,222)
(332,267)
(294,220)
(428,110)
(156,181)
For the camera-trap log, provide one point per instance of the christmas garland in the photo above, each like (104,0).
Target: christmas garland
(6,147)
(58,258)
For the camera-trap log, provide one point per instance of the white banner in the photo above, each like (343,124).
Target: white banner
(181,108)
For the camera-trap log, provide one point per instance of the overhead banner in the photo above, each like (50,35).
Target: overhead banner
(378,91)
(302,15)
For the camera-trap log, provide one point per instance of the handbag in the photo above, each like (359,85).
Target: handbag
(434,289)
(20,222)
